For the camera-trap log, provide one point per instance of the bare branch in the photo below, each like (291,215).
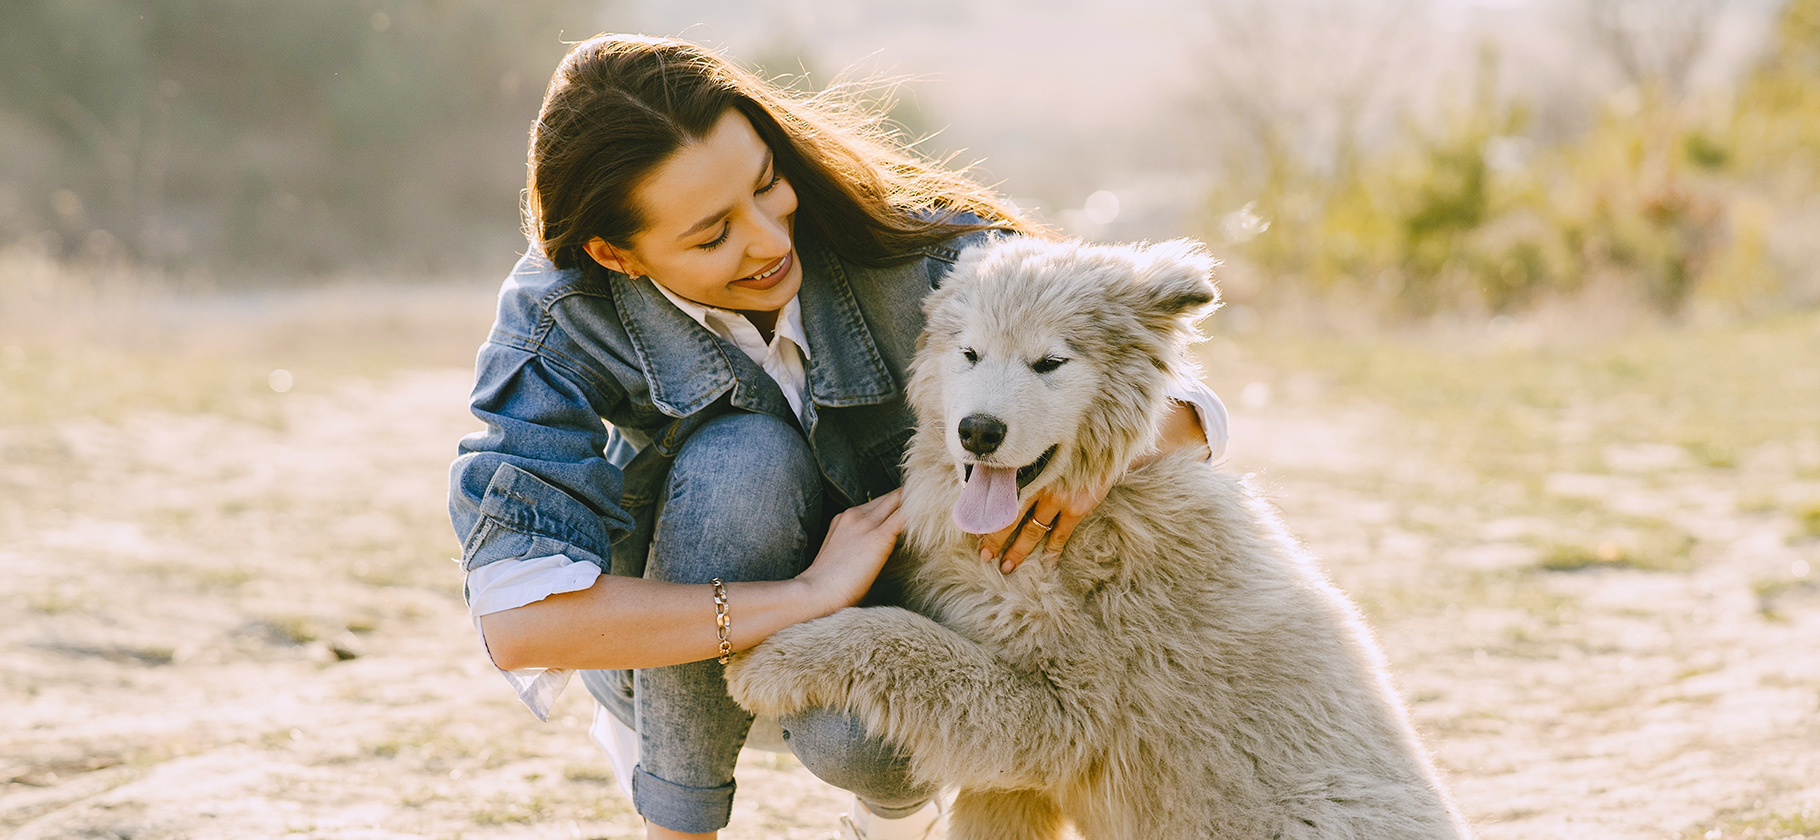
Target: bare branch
(1294,79)
(1652,43)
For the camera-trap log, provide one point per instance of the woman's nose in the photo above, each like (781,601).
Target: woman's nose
(772,239)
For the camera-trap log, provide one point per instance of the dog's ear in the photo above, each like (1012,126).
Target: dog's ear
(1174,280)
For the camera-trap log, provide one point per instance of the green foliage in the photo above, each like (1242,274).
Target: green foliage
(1655,546)
(1626,199)
(1664,199)
(1447,213)
(1706,151)
(1800,825)
(1453,193)
(1776,131)
(1809,519)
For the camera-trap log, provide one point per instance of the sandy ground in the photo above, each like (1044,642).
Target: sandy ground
(243,623)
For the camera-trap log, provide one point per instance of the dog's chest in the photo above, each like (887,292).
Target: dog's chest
(1027,616)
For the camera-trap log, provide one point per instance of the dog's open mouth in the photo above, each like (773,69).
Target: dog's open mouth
(1028,472)
(988,502)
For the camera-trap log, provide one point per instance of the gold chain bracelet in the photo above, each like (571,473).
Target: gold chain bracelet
(723,626)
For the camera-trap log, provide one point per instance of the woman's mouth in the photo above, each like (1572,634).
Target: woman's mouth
(771,276)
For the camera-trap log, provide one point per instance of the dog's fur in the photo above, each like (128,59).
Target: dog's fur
(1182,670)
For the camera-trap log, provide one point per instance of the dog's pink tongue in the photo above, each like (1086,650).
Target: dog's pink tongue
(989,501)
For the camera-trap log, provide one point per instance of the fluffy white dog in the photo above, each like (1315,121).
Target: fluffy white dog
(1182,670)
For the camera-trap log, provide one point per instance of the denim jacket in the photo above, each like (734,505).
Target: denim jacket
(590,382)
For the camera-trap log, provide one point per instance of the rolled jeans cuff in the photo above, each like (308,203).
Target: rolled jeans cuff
(690,810)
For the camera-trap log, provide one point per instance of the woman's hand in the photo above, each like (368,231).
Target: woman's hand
(1059,512)
(859,542)
(1062,512)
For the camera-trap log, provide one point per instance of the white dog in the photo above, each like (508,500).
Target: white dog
(1181,670)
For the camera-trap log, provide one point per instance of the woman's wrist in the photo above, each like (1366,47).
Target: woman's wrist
(816,596)
(757,609)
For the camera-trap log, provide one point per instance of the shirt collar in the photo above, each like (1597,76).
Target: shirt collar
(789,321)
(684,367)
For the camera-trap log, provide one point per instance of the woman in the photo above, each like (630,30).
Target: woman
(729,277)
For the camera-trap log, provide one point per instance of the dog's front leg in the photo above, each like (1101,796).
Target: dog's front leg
(965,717)
(1004,815)
(840,660)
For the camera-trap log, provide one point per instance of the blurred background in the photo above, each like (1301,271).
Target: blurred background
(1471,155)
(1523,314)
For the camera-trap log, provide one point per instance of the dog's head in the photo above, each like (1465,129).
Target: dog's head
(1045,364)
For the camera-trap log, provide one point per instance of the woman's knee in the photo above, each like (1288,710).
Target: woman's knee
(835,747)
(743,502)
(750,445)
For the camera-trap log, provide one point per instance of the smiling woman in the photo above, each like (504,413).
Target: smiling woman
(738,257)
(695,379)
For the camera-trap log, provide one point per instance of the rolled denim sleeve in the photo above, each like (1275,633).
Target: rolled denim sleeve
(535,482)
(1208,409)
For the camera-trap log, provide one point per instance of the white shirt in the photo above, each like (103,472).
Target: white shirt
(508,584)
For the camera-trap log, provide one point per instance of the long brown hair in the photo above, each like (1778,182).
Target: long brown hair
(620,105)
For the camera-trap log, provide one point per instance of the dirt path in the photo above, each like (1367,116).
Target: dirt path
(243,625)
(1601,702)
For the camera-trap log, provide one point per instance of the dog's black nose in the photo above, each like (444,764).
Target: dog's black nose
(982,433)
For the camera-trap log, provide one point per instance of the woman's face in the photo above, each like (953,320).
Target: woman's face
(719,224)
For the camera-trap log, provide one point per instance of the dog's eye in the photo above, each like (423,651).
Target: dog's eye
(971,356)
(1047,364)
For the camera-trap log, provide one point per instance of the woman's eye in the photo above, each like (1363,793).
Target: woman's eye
(726,229)
(1047,364)
(971,356)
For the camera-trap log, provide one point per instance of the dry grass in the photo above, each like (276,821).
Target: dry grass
(1587,551)
(229,611)
(1804,825)
(1809,517)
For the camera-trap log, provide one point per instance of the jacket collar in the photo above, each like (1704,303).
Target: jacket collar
(688,368)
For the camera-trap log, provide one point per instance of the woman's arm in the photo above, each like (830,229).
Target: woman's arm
(536,504)
(624,622)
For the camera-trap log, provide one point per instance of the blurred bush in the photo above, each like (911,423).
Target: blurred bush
(1671,201)
(267,137)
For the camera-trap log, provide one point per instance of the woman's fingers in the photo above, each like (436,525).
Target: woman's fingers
(992,546)
(1026,536)
(886,513)
(1075,508)
(1027,542)
(859,541)
(885,505)
(872,513)
(866,526)
(1065,523)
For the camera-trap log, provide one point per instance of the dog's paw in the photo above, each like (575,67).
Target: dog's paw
(831,661)
(772,678)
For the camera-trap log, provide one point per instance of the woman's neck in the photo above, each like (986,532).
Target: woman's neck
(765,321)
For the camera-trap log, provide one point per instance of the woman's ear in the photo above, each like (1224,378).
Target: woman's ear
(613,258)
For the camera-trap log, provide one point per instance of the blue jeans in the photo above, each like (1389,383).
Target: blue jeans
(743,502)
